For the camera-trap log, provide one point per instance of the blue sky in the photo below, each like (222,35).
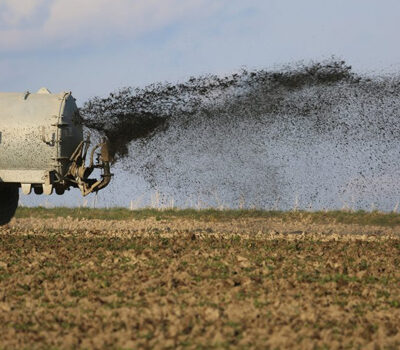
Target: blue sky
(92,47)
(95,46)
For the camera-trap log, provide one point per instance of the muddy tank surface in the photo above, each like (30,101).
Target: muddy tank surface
(42,149)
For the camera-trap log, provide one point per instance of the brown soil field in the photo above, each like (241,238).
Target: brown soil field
(179,282)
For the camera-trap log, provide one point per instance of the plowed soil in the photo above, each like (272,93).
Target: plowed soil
(181,283)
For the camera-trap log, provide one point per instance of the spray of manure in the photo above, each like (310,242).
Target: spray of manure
(307,130)
(137,113)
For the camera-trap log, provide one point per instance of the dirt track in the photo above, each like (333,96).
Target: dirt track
(180,283)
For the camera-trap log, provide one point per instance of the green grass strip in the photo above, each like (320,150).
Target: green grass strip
(323,217)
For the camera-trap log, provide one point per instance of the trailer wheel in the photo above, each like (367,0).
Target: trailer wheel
(9,196)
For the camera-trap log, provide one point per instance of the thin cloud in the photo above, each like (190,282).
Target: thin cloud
(14,13)
(62,23)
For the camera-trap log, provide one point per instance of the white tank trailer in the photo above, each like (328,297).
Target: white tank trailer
(42,149)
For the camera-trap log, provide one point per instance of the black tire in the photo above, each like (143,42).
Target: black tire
(9,196)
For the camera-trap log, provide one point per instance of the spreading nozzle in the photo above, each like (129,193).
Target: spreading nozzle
(79,173)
